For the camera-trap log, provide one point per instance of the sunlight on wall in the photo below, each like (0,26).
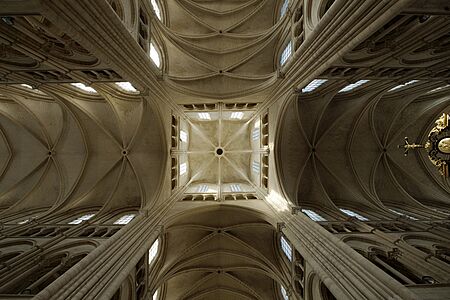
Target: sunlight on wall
(277,201)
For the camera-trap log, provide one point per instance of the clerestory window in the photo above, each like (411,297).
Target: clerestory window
(84,87)
(353,214)
(284,293)
(313,215)
(286,53)
(286,247)
(154,55)
(125,219)
(284,8)
(313,85)
(153,251)
(353,86)
(81,219)
(156,9)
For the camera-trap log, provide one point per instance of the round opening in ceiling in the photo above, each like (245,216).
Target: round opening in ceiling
(219,151)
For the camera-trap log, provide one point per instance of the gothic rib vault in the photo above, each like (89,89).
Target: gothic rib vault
(213,125)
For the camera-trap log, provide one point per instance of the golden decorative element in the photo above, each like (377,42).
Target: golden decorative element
(444,145)
(409,146)
(437,145)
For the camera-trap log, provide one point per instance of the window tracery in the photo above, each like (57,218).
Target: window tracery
(286,247)
(351,213)
(284,8)
(286,54)
(125,219)
(313,85)
(81,219)
(313,215)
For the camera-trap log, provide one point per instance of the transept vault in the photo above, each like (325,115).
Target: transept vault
(234,149)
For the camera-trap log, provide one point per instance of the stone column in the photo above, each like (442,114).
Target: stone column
(345,272)
(100,274)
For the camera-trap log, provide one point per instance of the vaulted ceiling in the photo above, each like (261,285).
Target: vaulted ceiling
(66,149)
(339,145)
(220,49)
(219,253)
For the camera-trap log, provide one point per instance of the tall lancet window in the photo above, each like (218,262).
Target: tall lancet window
(284,8)
(154,55)
(153,251)
(156,9)
(286,247)
(286,53)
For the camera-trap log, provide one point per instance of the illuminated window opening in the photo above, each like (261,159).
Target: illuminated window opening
(154,55)
(204,116)
(153,251)
(284,8)
(255,133)
(237,115)
(284,293)
(403,85)
(183,136)
(402,214)
(313,85)
(286,53)
(183,168)
(353,214)
(26,86)
(286,247)
(81,219)
(84,87)
(235,188)
(156,9)
(126,86)
(438,88)
(125,219)
(255,166)
(313,215)
(155,296)
(203,188)
(353,86)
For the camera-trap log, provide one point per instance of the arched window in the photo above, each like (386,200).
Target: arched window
(155,295)
(153,251)
(81,219)
(156,9)
(284,8)
(284,293)
(313,215)
(353,214)
(84,87)
(353,86)
(286,247)
(286,53)
(127,86)
(313,85)
(154,55)
(403,85)
(125,219)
